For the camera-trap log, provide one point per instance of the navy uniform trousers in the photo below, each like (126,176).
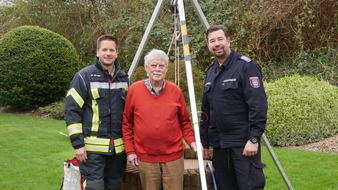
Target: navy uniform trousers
(235,171)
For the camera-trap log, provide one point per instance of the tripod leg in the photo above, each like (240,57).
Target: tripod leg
(200,14)
(191,93)
(145,36)
(275,159)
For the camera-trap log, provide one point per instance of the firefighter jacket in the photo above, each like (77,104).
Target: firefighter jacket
(234,103)
(94,107)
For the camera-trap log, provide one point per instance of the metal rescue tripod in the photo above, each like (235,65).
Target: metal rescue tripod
(190,81)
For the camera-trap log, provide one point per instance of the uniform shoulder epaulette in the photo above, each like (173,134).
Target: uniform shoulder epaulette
(245,58)
(212,63)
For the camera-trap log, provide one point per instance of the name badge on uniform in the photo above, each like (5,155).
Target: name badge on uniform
(254,82)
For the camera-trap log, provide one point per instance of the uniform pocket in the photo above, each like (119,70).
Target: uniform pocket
(229,85)
(100,102)
(207,87)
(256,175)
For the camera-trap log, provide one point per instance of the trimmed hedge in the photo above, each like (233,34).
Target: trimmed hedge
(302,109)
(36,67)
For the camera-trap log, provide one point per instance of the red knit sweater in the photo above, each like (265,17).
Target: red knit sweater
(153,126)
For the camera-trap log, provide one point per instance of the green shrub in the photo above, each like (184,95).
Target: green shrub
(36,67)
(54,110)
(301,110)
(321,62)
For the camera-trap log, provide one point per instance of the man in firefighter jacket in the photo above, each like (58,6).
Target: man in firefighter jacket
(93,112)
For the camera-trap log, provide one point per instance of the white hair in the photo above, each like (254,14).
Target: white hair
(156,54)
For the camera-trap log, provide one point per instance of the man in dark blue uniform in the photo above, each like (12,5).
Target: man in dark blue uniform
(234,114)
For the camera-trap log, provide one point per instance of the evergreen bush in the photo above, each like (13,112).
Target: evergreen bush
(54,110)
(321,63)
(36,67)
(302,109)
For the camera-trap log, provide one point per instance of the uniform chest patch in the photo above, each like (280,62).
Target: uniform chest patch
(95,75)
(254,82)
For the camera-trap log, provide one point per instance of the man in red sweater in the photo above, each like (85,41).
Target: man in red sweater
(155,120)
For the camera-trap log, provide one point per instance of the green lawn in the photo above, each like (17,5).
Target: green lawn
(33,151)
(305,170)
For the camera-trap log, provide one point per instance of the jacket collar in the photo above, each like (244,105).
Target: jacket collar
(99,66)
(227,63)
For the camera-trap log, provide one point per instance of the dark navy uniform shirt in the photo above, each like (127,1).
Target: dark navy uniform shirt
(234,104)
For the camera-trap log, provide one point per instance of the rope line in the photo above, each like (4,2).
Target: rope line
(174,40)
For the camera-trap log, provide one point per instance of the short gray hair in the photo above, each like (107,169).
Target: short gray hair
(156,54)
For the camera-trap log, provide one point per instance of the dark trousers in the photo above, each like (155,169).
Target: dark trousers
(234,171)
(103,172)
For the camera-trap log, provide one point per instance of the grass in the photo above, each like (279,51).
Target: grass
(33,151)
(304,169)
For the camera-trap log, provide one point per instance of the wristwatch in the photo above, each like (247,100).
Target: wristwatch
(254,139)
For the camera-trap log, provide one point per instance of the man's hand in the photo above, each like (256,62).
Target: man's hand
(250,149)
(193,146)
(81,154)
(206,153)
(132,160)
